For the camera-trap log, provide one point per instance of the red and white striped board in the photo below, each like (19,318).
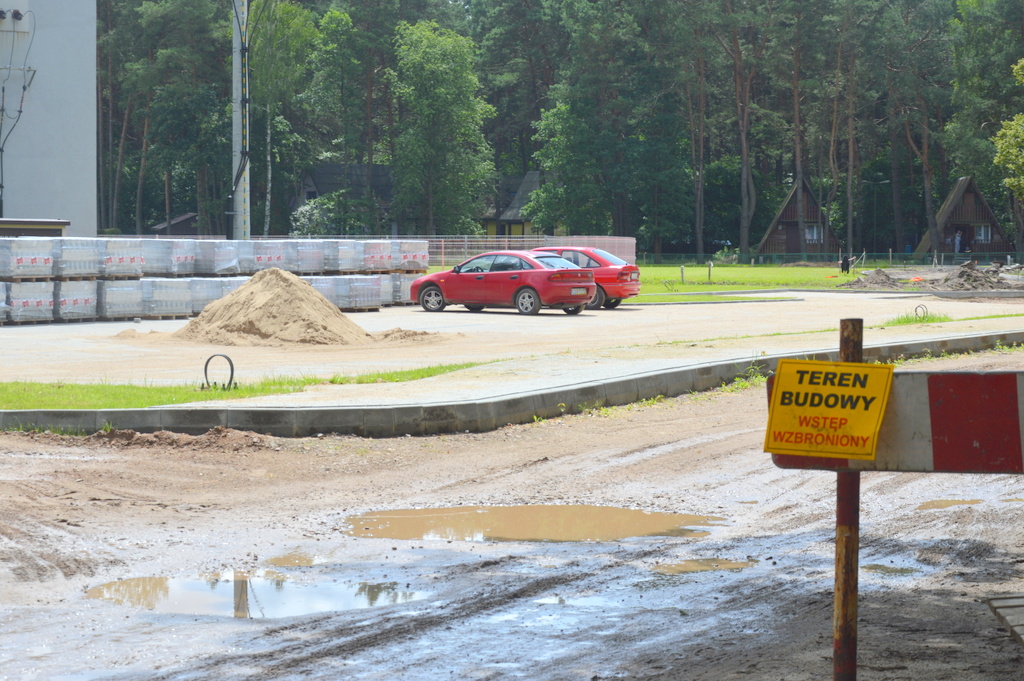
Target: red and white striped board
(942,423)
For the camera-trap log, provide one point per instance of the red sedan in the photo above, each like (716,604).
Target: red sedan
(616,279)
(525,280)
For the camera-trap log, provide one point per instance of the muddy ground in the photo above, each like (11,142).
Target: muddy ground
(83,512)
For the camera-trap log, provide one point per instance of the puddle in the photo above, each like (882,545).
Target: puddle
(946,503)
(237,594)
(703,565)
(888,569)
(293,559)
(527,523)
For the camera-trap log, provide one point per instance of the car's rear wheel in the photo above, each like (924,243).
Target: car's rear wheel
(573,310)
(598,299)
(612,303)
(431,299)
(527,301)
(474,308)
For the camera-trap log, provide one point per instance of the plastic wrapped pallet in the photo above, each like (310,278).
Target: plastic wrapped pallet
(121,257)
(280,253)
(403,287)
(76,257)
(325,286)
(350,255)
(387,289)
(216,257)
(309,255)
(358,292)
(26,257)
(166,297)
(75,299)
(232,283)
(205,291)
(119,299)
(246,256)
(183,256)
(410,255)
(168,256)
(376,255)
(31,301)
(5,308)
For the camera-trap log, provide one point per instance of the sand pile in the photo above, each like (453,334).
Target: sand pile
(272,308)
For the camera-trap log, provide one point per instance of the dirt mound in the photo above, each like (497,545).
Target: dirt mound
(875,279)
(219,438)
(272,308)
(968,277)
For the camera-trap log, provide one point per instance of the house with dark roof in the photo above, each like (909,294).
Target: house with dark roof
(353,177)
(783,234)
(966,223)
(183,225)
(504,215)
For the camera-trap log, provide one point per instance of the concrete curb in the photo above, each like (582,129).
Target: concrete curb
(389,420)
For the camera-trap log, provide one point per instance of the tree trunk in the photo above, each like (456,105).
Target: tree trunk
(897,204)
(798,147)
(167,199)
(142,176)
(115,195)
(270,174)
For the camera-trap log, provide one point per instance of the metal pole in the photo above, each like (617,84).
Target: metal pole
(240,118)
(844,618)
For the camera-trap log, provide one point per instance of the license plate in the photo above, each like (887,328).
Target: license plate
(578,291)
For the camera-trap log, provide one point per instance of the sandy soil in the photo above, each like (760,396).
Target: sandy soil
(81,512)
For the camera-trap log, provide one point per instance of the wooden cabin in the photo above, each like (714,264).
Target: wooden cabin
(966,211)
(783,236)
(504,216)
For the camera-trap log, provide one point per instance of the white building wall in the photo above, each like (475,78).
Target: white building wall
(49,157)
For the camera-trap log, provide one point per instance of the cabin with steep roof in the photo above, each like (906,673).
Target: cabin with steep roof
(783,234)
(965,212)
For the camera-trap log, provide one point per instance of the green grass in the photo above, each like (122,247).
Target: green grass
(667,279)
(18,395)
(699,298)
(926,318)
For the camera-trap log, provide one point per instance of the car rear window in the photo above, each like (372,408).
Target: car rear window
(613,259)
(556,262)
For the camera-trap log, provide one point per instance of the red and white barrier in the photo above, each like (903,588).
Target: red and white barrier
(943,423)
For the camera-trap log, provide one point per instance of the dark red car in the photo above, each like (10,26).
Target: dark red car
(616,279)
(525,280)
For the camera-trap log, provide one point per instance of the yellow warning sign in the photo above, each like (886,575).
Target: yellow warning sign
(831,409)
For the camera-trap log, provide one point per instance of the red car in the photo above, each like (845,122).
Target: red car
(616,279)
(525,280)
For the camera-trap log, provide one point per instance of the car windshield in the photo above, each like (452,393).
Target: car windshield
(556,262)
(613,259)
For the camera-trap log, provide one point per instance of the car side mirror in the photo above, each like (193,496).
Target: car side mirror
(456,269)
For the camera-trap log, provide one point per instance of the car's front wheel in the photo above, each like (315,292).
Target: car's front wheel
(598,300)
(431,299)
(527,301)
(612,303)
(573,310)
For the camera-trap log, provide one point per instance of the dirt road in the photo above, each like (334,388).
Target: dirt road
(83,512)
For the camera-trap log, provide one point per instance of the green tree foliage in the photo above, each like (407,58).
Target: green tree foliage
(442,161)
(1009,144)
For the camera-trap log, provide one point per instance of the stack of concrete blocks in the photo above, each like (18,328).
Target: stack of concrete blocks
(5,308)
(216,257)
(120,299)
(403,287)
(350,255)
(76,257)
(376,255)
(387,289)
(408,255)
(169,256)
(232,283)
(309,256)
(279,253)
(26,257)
(325,286)
(75,299)
(121,257)
(162,298)
(31,301)
(204,292)
(358,292)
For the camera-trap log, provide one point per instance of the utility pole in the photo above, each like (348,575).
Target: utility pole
(240,119)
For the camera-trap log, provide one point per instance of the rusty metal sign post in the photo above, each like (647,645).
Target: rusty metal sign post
(844,617)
